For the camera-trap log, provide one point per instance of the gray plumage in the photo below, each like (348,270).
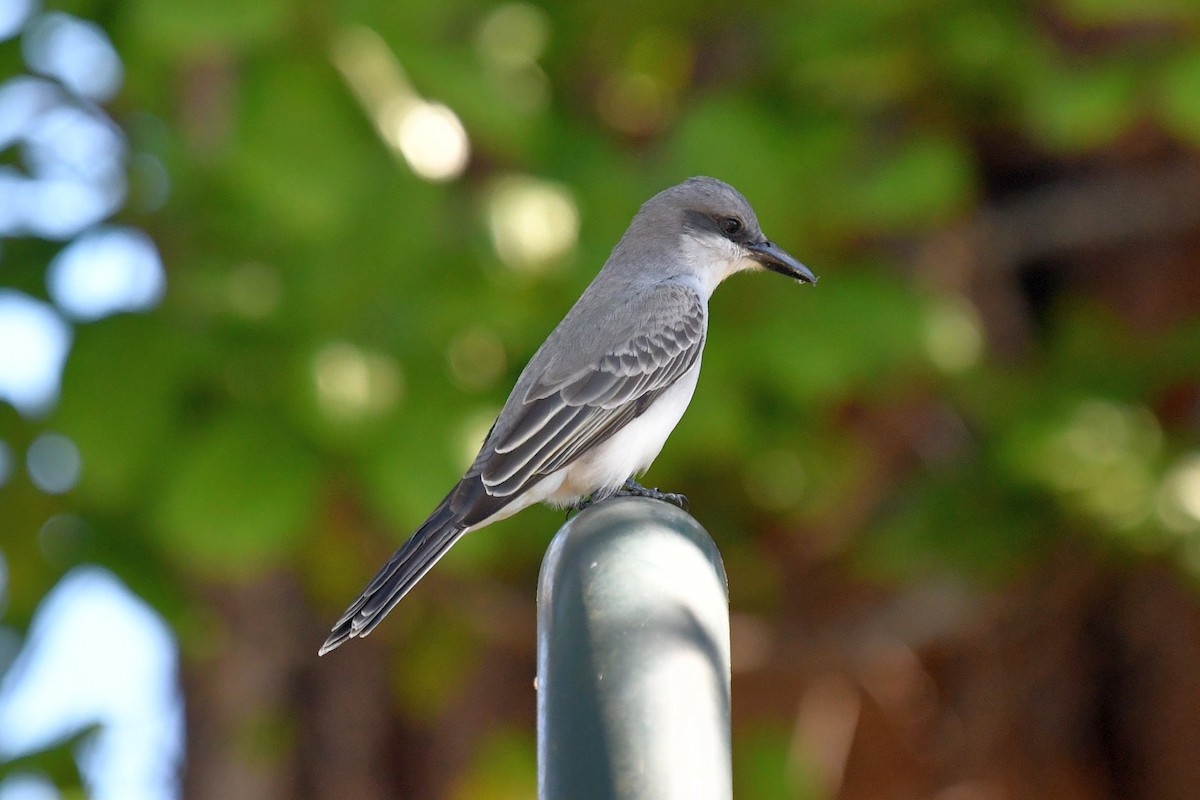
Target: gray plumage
(598,399)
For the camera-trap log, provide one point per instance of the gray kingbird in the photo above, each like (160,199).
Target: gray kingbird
(595,404)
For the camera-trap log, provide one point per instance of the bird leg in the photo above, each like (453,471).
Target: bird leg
(631,489)
(591,500)
(634,489)
(587,502)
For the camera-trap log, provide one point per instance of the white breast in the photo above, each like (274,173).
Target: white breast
(628,452)
(631,450)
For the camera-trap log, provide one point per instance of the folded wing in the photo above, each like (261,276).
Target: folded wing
(559,420)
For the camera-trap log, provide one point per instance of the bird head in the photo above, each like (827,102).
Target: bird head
(721,235)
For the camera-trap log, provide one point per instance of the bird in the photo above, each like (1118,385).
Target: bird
(597,401)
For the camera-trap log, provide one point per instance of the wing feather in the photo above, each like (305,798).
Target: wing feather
(537,419)
(502,466)
(554,424)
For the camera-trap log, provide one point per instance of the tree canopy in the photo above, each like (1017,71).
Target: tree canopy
(962,474)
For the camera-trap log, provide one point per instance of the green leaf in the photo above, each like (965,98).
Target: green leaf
(180,26)
(1179,96)
(1073,107)
(767,766)
(504,769)
(929,179)
(122,389)
(240,497)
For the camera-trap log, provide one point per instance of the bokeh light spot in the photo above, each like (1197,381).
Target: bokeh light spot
(510,41)
(150,183)
(76,52)
(69,142)
(533,222)
(432,140)
(106,271)
(953,335)
(352,383)
(36,341)
(1187,487)
(1102,432)
(73,174)
(13,16)
(22,99)
(54,463)
(63,537)
(1101,459)
(60,208)
(98,654)
(427,135)
(1179,496)
(514,35)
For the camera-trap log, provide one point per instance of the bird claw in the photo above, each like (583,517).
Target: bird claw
(634,489)
(586,502)
(631,489)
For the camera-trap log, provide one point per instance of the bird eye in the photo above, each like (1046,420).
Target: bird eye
(731,225)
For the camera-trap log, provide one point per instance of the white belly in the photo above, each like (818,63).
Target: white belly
(631,450)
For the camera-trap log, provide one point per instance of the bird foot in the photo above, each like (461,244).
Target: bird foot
(634,489)
(586,502)
(575,508)
(631,489)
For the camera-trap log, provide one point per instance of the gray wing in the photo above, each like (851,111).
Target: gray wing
(559,419)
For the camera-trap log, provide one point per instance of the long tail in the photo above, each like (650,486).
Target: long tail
(401,572)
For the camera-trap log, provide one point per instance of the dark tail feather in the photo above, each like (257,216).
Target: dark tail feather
(402,571)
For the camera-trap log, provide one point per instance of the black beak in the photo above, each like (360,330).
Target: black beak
(775,258)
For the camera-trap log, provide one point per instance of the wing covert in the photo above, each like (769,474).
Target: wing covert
(558,421)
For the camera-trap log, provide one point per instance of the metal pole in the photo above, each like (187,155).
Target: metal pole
(633,658)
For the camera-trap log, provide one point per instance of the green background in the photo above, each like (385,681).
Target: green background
(956,485)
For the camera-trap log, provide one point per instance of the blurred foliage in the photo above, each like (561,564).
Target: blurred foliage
(53,763)
(338,330)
